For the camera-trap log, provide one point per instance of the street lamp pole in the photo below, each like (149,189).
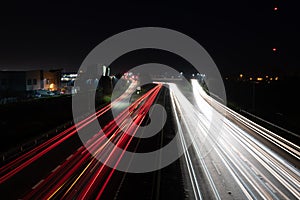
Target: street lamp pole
(253,96)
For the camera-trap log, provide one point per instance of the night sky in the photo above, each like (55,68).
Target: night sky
(239,35)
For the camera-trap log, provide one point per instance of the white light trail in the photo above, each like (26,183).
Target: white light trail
(215,132)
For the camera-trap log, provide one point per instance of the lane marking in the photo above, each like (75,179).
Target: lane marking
(218,171)
(37,184)
(69,157)
(55,169)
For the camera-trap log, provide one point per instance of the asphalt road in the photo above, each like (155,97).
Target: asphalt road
(225,160)
(62,168)
(225,156)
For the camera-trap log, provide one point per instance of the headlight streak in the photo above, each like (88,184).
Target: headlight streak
(177,95)
(277,167)
(257,170)
(191,171)
(284,173)
(282,143)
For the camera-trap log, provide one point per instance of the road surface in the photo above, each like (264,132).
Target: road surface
(230,157)
(226,156)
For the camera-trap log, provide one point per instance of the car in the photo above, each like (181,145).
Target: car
(45,93)
(57,92)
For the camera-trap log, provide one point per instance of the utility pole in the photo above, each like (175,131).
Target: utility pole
(253,96)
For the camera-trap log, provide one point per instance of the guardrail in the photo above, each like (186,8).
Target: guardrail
(271,124)
(28,145)
(263,122)
(33,142)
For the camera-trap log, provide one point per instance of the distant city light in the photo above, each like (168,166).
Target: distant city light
(250,78)
(276,78)
(274,49)
(241,75)
(69,77)
(259,79)
(275,8)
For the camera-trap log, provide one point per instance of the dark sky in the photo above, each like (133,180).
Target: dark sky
(239,35)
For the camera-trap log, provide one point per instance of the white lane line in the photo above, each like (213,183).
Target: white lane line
(37,184)
(192,176)
(278,167)
(55,169)
(69,157)
(214,164)
(272,166)
(270,187)
(196,147)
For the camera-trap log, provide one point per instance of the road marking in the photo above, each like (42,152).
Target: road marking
(69,157)
(218,171)
(55,169)
(37,184)
(79,148)
(270,187)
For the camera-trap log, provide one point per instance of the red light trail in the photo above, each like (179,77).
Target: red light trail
(80,174)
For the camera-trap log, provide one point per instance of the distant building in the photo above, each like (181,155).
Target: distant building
(51,80)
(12,83)
(18,83)
(39,79)
(34,80)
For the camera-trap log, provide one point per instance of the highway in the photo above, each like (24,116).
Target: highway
(239,159)
(76,167)
(226,156)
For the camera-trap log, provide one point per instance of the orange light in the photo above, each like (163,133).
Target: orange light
(51,86)
(276,78)
(259,79)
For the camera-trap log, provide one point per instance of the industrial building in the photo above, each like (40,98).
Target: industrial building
(19,83)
